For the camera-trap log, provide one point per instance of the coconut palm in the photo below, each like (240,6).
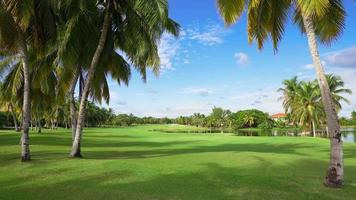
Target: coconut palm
(289,91)
(142,22)
(319,20)
(307,107)
(25,26)
(337,89)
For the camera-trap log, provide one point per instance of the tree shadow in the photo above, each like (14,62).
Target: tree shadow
(236,148)
(295,180)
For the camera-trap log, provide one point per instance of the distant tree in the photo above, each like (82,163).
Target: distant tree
(353,115)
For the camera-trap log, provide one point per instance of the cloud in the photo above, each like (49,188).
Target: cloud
(182,110)
(196,90)
(209,35)
(167,50)
(345,58)
(151,91)
(265,99)
(241,58)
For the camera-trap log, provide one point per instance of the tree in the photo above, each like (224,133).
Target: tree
(7,101)
(307,108)
(337,88)
(289,91)
(143,22)
(25,26)
(319,20)
(353,115)
(302,99)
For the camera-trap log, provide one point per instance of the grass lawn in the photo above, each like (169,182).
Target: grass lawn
(135,163)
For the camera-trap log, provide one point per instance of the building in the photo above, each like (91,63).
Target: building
(279,116)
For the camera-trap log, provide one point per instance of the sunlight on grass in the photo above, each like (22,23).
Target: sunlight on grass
(135,163)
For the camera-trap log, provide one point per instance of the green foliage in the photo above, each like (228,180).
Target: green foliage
(268,19)
(302,100)
(353,115)
(225,119)
(251,119)
(266,125)
(3,118)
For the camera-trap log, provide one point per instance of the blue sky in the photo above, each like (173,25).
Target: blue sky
(212,65)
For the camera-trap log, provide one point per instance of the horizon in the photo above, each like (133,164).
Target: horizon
(213,65)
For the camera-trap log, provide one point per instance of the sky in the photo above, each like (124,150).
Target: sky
(213,65)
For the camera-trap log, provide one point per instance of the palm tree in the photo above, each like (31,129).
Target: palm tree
(319,20)
(307,107)
(24,26)
(289,91)
(337,88)
(143,23)
(249,120)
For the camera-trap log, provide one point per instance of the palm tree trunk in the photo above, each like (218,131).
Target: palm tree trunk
(313,125)
(26,109)
(39,126)
(335,172)
(14,117)
(81,114)
(73,109)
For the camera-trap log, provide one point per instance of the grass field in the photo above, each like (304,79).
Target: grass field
(135,163)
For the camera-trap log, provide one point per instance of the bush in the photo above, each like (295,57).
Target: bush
(265,125)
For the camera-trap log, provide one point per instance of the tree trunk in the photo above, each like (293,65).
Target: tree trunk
(14,117)
(81,114)
(73,110)
(39,126)
(26,109)
(313,125)
(334,176)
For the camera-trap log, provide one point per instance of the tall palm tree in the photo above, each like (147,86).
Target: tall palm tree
(142,23)
(25,25)
(307,107)
(319,20)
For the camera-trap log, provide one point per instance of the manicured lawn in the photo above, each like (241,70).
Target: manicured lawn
(135,163)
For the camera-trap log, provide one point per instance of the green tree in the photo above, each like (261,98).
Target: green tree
(307,107)
(25,26)
(289,91)
(337,89)
(144,23)
(353,115)
(319,20)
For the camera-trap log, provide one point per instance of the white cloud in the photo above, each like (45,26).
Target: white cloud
(241,58)
(265,99)
(345,58)
(182,110)
(209,35)
(197,90)
(167,50)
(308,66)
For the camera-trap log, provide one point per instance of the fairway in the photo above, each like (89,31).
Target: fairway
(136,163)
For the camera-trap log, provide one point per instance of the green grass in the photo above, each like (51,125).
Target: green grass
(135,163)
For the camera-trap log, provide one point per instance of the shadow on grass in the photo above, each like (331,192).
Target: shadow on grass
(298,180)
(151,153)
